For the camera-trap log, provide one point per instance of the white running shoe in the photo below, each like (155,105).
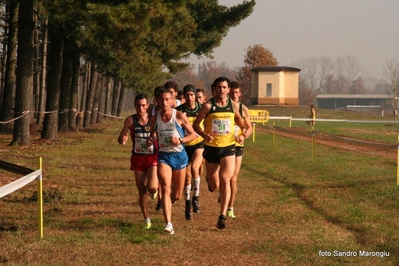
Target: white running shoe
(169,229)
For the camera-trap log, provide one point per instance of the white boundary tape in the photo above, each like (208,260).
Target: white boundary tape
(113,116)
(16,118)
(330,120)
(17,184)
(59,112)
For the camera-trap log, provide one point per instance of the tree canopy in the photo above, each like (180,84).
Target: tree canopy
(137,44)
(256,56)
(142,41)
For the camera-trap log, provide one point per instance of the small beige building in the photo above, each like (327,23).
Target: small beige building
(276,85)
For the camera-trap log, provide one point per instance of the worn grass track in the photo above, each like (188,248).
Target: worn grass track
(288,208)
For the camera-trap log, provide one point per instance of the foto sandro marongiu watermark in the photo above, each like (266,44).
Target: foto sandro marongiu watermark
(360,253)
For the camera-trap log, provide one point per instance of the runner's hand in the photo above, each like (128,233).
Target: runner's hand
(240,139)
(245,133)
(209,137)
(149,142)
(175,140)
(125,138)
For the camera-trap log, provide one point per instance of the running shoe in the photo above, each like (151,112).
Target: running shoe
(187,211)
(159,206)
(230,213)
(154,195)
(169,229)
(196,208)
(221,222)
(147,225)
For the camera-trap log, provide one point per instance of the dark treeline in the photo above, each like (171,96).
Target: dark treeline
(67,64)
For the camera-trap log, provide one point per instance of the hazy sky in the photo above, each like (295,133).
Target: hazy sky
(300,29)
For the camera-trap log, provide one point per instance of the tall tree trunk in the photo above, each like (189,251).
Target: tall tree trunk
(50,124)
(24,72)
(8,99)
(96,101)
(84,91)
(115,96)
(120,102)
(36,68)
(66,83)
(74,91)
(101,106)
(43,73)
(4,43)
(86,81)
(90,95)
(107,96)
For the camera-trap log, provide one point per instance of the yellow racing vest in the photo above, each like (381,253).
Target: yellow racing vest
(237,129)
(220,122)
(191,115)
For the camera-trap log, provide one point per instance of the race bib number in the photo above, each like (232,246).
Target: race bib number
(221,126)
(140,146)
(165,138)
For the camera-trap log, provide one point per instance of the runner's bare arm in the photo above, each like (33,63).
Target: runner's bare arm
(247,121)
(206,107)
(239,121)
(124,134)
(183,121)
(151,139)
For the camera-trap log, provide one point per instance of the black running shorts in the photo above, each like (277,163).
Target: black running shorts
(191,149)
(239,151)
(214,154)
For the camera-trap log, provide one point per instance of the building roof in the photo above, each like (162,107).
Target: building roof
(352,96)
(275,69)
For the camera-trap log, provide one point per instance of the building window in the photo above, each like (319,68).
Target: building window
(268,89)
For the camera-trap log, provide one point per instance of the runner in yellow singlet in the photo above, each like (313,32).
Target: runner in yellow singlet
(235,94)
(219,115)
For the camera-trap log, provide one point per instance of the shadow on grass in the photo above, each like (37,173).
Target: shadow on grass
(130,232)
(362,235)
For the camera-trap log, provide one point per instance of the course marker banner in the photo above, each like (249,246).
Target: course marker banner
(17,184)
(258,116)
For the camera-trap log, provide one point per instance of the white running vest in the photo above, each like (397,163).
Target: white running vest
(166,130)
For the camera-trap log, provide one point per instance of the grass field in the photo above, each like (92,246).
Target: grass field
(290,210)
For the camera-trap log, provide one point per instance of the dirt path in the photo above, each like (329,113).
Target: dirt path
(344,143)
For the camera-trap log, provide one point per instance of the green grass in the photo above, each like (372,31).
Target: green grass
(289,208)
(383,132)
(355,192)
